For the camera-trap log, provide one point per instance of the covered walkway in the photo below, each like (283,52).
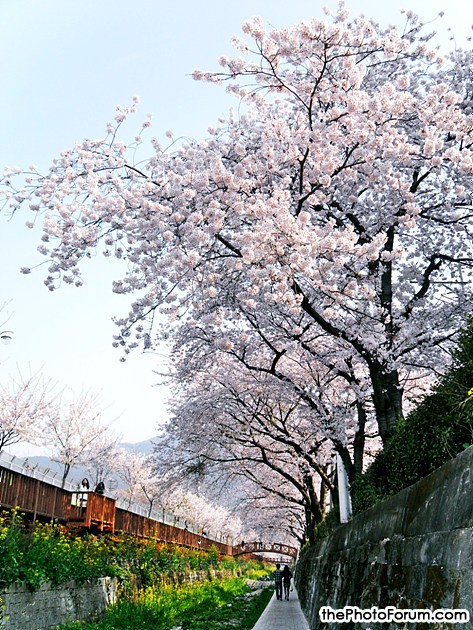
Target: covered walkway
(283,615)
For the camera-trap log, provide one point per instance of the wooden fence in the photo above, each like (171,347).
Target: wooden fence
(39,499)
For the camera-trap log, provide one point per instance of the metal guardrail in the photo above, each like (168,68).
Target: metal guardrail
(37,472)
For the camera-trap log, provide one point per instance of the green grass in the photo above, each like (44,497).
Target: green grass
(205,606)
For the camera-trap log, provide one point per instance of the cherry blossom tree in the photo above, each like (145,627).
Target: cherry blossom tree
(309,382)
(141,483)
(131,468)
(162,491)
(25,403)
(208,518)
(273,520)
(328,221)
(237,429)
(75,433)
(210,463)
(100,460)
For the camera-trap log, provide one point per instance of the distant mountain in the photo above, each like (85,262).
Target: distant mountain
(145,447)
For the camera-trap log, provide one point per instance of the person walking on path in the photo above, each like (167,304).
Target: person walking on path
(286,580)
(279,616)
(278,581)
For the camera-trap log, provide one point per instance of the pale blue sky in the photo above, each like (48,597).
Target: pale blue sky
(64,66)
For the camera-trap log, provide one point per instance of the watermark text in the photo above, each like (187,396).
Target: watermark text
(390,614)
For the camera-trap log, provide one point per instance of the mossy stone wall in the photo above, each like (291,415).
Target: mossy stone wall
(414,550)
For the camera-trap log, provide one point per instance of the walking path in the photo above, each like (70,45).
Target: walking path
(283,615)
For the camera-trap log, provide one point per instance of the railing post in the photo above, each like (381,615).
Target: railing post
(54,504)
(36,498)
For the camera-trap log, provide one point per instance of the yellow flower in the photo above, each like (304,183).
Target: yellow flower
(470,392)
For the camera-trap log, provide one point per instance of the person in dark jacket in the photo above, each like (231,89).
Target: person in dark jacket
(286,580)
(277,575)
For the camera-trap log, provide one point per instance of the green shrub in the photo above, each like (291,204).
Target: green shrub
(11,558)
(258,573)
(50,553)
(364,491)
(325,527)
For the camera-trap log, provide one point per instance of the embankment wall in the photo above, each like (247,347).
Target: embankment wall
(414,550)
(49,606)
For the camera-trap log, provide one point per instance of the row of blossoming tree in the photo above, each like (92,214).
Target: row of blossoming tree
(69,426)
(309,262)
(71,430)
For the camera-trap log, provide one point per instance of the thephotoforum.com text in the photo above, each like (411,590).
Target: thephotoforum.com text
(390,614)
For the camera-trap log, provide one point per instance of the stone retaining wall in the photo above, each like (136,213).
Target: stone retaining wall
(50,606)
(414,550)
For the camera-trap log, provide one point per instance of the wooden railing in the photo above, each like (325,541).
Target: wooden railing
(144,527)
(261,547)
(89,510)
(92,511)
(33,496)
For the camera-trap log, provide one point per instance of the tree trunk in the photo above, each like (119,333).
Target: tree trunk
(66,469)
(323,491)
(313,511)
(387,392)
(387,399)
(359,442)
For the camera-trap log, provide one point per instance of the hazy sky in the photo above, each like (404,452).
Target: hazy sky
(64,66)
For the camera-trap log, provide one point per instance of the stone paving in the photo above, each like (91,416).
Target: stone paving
(283,615)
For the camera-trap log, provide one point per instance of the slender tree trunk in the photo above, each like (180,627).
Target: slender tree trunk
(387,392)
(323,492)
(359,441)
(67,468)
